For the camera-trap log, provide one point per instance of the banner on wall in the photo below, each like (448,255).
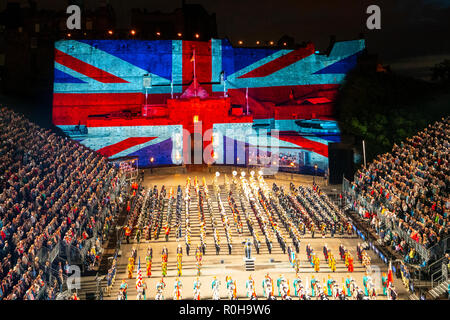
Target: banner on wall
(105,88)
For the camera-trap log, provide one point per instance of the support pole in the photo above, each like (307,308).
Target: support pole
(364,152)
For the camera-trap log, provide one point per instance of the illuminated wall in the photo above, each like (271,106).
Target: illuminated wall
(99,93)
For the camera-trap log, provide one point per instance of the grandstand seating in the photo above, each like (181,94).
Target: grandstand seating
(54,193)
(405,193)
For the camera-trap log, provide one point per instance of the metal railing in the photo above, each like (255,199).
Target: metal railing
(54,252)
(46,254)
(42,292)
(391,223)
(439,276)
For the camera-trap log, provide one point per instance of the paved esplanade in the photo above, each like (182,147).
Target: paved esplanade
(224,264)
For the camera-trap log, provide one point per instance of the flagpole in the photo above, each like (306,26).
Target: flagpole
(171,85)
(246,98)
(195,76)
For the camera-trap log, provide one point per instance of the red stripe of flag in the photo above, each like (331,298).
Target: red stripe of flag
(86,69)
(115,148)
(280,63)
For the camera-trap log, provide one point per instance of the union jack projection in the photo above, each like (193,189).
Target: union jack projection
(134,98)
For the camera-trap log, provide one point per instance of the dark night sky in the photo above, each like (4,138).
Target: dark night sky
(414,35)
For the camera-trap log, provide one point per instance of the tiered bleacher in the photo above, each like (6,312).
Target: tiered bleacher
(56,196)
(404,194)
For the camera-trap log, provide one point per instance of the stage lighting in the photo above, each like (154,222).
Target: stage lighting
(133,32)
(252,173)
(243,173)
(110,32)
(284,44)
(240,42)
(271,43)
(217,173)
(257,42)
(179,34)
(69,35)
(197,35)
(234,173)
(158,33)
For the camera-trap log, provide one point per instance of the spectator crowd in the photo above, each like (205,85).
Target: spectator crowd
(410,187)
(53,191)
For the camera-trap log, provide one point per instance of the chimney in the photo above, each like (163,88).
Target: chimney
(330,46)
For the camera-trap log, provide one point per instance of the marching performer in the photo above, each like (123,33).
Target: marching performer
(392,292)
(179,260)
(342,251)
(297,285)
(198,257)
(197,285)
(285,290)
(159,290)
(303,294)
(130,267)
(231,287)
(297,265)
(267,285)
(366,280)
(325,252)
(332,263)
(250,286)
(292,259)
(348,282)
(141,291)
(359,252)
(350,263)
(128,229)
(335,291)
(372,290)
(366,261)
(308,252)
(177,289)
(316,262)
(320,294)
(341,295)
(353,288)
(384,282)
(148,259)
(164,257)
(330,285)
(346,255)
(123,289)
(215,289)
(279,282)
(313,286)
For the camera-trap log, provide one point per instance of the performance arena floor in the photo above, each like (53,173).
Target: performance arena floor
(223,265)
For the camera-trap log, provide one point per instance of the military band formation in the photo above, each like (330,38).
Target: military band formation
(281,216)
